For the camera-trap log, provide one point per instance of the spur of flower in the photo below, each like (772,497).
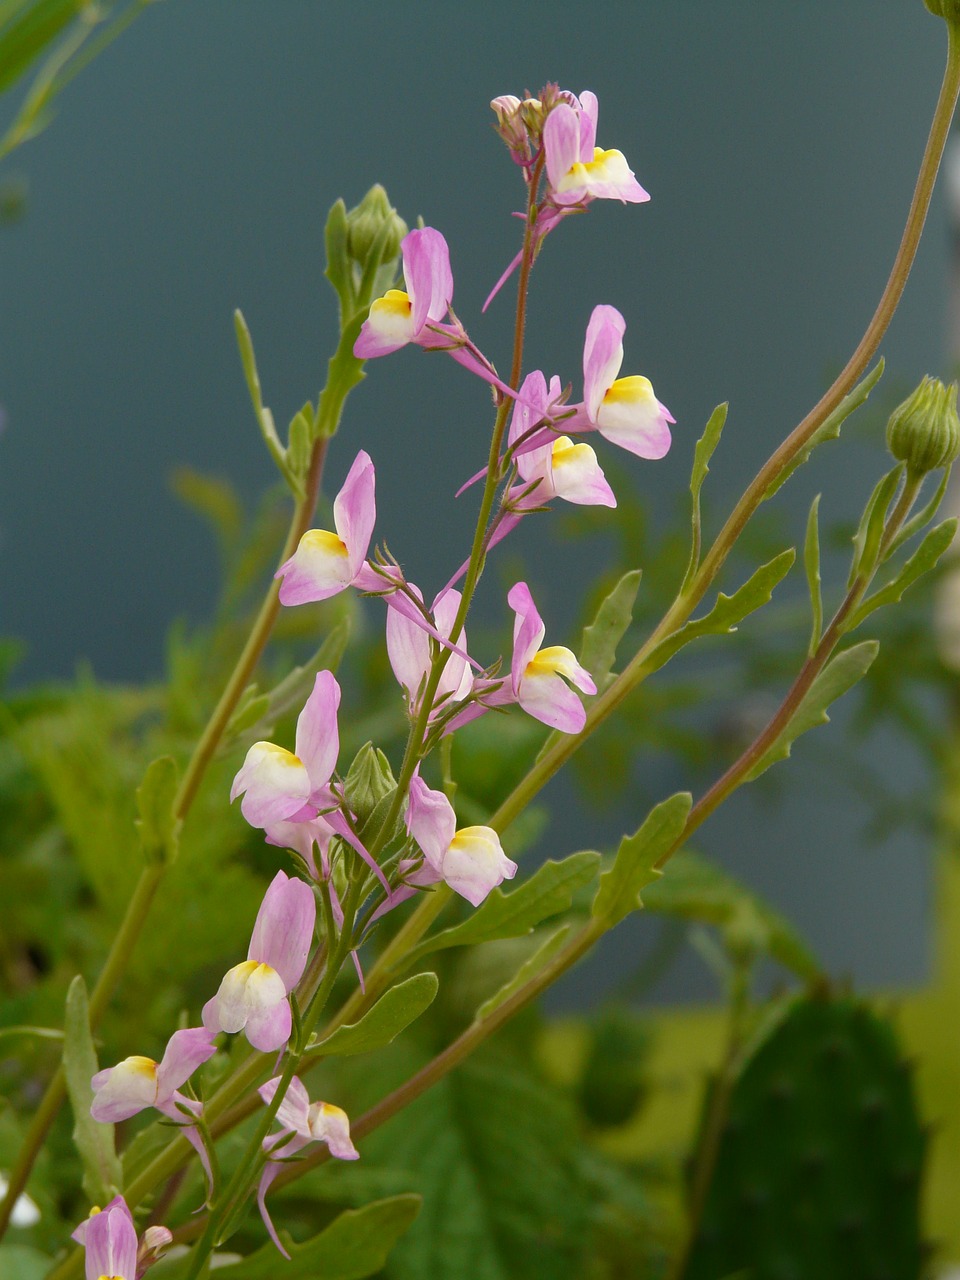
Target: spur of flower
(254,995)
(301,1122)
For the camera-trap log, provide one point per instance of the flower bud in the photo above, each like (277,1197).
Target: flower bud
(155,1240)
(518,123)
(365,223)
(949,10)
(924,432)
(368,781)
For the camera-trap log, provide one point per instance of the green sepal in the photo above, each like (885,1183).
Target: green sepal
(598,648)
(698,889)
(701,460)
(635,865)
(394,1011)
(157,826)
(869,534)
(339,270)
(533,965)
(811,566)
(925,558)
(830,428)
(548,891)
(728,611)
(837,677)
(102,1173)
(300,441)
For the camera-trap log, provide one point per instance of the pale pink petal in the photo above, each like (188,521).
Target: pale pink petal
(388,326)
(561,142)
(274,784)
(355,510)
(124,1090)
(318,738)
(475,863)
(110,1241)
(270,1171)
(186,1050)
(318,569)
(431,821)
(457,679)
(117,1203)
(408,648)
(528,631)
(589,115)
(247,989)
(429,279)
(268,1029)
(602,355)
(283,933)
(609,177)
(576,476)
(331,1125)
(292,1112)
(631,416)
(548,699)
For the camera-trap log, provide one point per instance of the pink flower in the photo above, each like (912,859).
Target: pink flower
(400,317)
(577,169)
(302,1122)
(470,860)
(325,563)
(253,994)
(410,652)
(137,1083)
(558,467)
(538,676)
(624,410)
(109,1239)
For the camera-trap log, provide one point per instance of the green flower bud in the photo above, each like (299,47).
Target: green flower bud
(368,781)
(924,432)
(366,221)
(949,10)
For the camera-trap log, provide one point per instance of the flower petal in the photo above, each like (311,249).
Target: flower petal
(318,569)
(602,355)
(561,142)
(355,510)
(429,279)
(283,933)
(548,699)
(388,326)
(528,631)
(274,784)
(124,1090)
(331,1125)
(268,1029)
(186,1050)
(475,863)
(631,416)
(318,736)
(110,1241)
(430,820)
(576,476)
(292,1112)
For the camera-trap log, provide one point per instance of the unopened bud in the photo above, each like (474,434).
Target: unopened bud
(949,10)
(924,432)
(366,222)
(155,1240)
(519,123)
(368,781)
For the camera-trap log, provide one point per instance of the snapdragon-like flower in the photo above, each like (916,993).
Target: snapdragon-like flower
(109,1240)
(538,676)
(577,169)
(326,563)
(302,1122)
(399,317)
(409,650)
(557,468)
(137,1082)
(253,996)
(624,410)
(470,860)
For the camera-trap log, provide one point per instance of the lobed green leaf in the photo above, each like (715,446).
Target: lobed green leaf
(394,1011)
(102,1176)
(157,825)
(701,459)
(529,969)
(635,865)
(598,648)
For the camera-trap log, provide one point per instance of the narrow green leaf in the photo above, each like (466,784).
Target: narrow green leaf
(698,889)
(300,441)
(934,544)
(830,429)
(157,826)
(263,415)
(251,708)
(728,611)
(395,1009)
(866,540)
(529,969)
(837,677)
(598,648)
(102,1177)
(338,270)
(549,891)
(635,865)
(25,36)
(701,460)
(811,564)
(355,1245)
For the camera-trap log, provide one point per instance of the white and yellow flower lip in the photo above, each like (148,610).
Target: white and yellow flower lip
(274,783)
(401,317)
(122,1091)
(624,410)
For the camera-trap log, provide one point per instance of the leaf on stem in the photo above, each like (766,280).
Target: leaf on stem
(102,1176)
(529,969)
(811,565)
(728,611)
(635,865)
(157,826)
(598,648)
(701,460)
(549,891)
(394,1011)
(837,677)
(869,534)
(830,428)
(356,1244)
(925,558)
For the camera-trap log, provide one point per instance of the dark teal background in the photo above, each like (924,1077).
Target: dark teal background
(189,172)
